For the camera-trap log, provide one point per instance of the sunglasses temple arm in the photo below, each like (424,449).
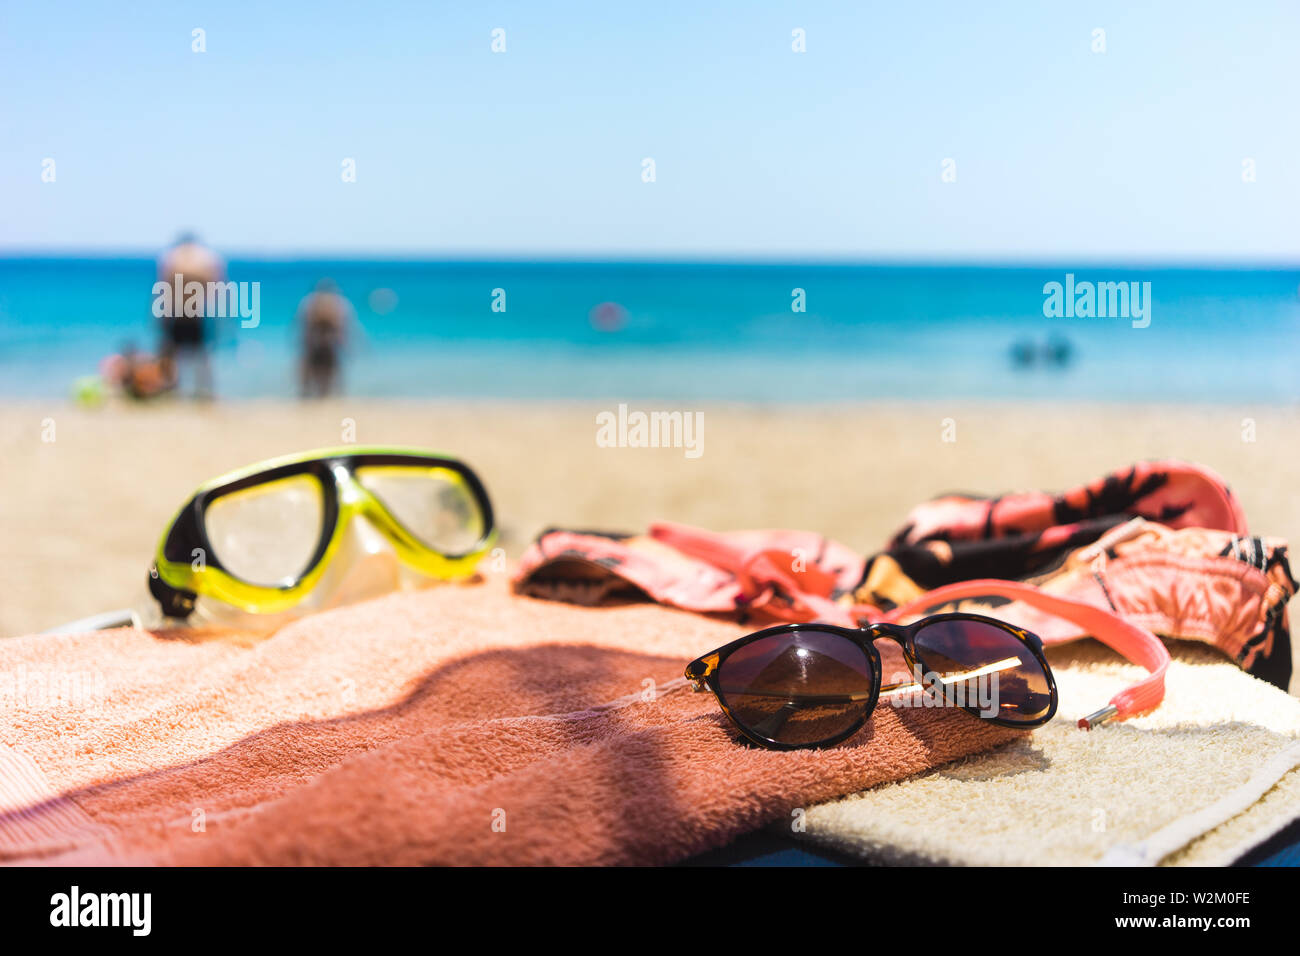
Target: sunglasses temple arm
(1135,643)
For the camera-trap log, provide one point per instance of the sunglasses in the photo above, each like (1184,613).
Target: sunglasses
(260,538)
(813,685)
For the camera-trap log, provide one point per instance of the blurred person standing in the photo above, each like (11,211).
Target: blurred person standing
(325,320)
(186,336)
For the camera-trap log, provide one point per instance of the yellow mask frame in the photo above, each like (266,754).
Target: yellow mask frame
(185,565)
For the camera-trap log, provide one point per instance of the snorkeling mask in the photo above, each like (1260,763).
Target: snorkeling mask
(278,538)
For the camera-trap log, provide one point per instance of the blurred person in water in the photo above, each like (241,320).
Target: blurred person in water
(186,336)
(326,321)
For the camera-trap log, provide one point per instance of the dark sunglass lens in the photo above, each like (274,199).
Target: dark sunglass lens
(985,669)
(797,687)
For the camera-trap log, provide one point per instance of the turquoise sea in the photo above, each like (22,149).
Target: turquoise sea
(689,331)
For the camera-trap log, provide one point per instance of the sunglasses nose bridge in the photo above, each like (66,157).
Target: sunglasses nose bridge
(875,632)
(898,635)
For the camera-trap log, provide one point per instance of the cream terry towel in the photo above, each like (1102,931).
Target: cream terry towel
(1210,774)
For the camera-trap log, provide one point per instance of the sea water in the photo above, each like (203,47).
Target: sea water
(692,331)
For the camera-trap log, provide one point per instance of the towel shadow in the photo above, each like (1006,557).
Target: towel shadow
(456,697)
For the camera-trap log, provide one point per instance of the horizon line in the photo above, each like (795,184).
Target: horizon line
(517,257)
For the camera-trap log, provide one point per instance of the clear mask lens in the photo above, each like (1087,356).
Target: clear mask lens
(434,504)
(267,535)
(365,566)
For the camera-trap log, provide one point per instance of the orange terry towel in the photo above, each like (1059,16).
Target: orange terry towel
(458,725)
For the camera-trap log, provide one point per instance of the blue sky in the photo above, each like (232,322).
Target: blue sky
(1131,154)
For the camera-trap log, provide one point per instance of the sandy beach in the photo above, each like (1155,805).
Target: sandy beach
(88,491)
